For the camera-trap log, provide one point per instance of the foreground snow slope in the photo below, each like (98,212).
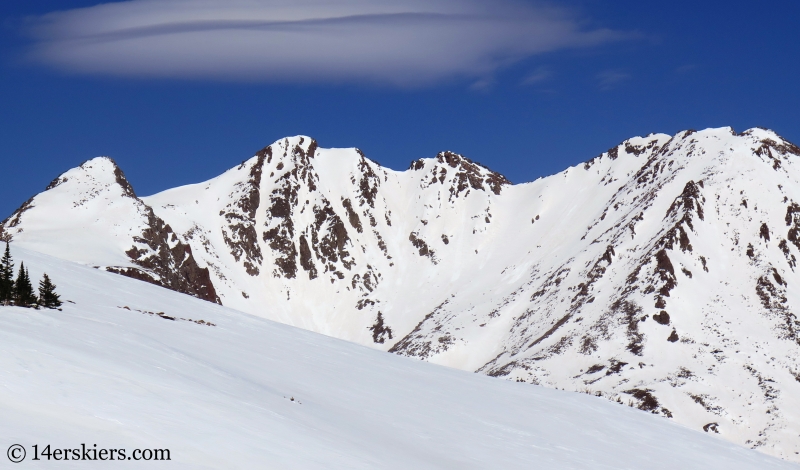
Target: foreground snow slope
(102,372)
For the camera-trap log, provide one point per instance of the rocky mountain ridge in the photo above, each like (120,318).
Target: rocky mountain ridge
(660,274)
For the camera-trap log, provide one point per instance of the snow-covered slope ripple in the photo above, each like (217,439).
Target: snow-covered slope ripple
(661,274)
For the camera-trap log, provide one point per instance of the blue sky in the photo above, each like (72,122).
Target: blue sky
(178,91)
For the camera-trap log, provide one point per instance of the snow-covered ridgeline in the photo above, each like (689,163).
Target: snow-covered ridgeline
(661,273)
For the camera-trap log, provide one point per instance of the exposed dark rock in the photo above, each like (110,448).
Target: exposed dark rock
(764,232)
(286,261)
(14,220)
(772,298)
(420,245)
(648,401)
(369,183)
(417,165)
(661,318)
(503,371)
(792,214)
(764,383)
(615,367)
(56,182)
(595,368)
(366,282)
(363,303)
(774,151)
(790,258)
(471,173)
(673,337)
(778,277)
(705,402)
(305,258)
(240,216)
(588,345)
(793,221)
(283,202)
(355,221)
(630,313)
(552,330)
(712,427)
(631,149)
(418,344)
(595,273)
(167,262)
(665,272)
(280,237)
(379,330)
(682,210)
(467,175)
(330,245)
(127,189)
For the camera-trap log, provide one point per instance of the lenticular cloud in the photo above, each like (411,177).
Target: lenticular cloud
(394,42)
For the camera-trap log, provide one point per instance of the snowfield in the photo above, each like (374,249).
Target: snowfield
(104,371)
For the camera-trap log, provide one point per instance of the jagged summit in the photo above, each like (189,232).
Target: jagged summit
(459,174)
(96,171)
(661,273)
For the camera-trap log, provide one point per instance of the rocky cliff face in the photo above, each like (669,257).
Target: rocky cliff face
(660,274)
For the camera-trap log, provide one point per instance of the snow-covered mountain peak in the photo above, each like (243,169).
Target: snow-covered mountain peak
(300,143)
(90,214)
(76,201)
(297,151)
(661,273)
(97,174)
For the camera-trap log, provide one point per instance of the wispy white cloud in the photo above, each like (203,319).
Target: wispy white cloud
(394,42)
(483,84)
(541,74)
(610,78)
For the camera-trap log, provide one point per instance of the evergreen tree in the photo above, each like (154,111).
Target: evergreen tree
(6,278)
(47,293)
(23,290)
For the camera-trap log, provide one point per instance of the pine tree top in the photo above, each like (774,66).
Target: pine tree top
(6,277)
(23,290)
(7,264)
(47,293)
